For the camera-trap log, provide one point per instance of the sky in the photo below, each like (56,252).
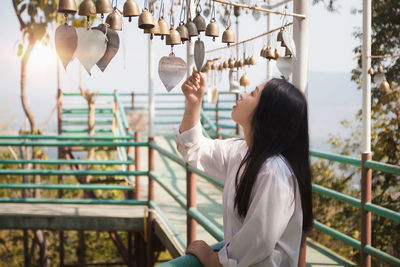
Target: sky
(330,62)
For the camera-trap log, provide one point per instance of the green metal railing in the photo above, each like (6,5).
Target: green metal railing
(123,139)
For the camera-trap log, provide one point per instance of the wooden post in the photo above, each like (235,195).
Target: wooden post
(150,250)
(191,203)
(366,190)
(26,249)
(216,116)
(81,249)
(137,166)
(133,100)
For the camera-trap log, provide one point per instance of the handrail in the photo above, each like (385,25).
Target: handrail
(66,186)
(72,143)
(69,172)
(66,161)
(66,137)
(73,201)
(121,111)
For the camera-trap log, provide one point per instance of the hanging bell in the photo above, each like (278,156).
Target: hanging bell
(87,8)
(163,28)
(146,20)
(103,6)
(262,52)
(67,6)
(213,66)
(212,29)
(173,38)
(200,23)
(380,68)
(231,62)
(183,32)
(228,36)
(371,71)
(154,30)
(192,30)
(283,44)
(236,11)
(225,64)
(247,61)
(279,37)
(240,63)
(385,86)
(244,80)
(131,9)
(204,69)
(270,54)
(277,54)
(287,52)
(115,21)
(253,60)
(221,67)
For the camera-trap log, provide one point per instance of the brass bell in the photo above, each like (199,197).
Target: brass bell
(262,52)
(240,63)
(154,30)
(131,9)
(244,80)
(213,66)
(163,28)
(115,21)
(236,11)
(231,62)
(173,38)
(247,61)
(270,54)
(380,68)
(204,69)
(183,32)
(228,36)
(103,6)
(146,20)
(87,8)
(67,6)
(225,64)
(252,60)
(212,29)
(200,23)
(283,44)
(371,71)
(385,86)
(192,30)
(287,52)
(279,37)
(277,54)
(208,63)
(220,67)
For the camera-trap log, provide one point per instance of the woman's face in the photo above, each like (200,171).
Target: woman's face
(244,108)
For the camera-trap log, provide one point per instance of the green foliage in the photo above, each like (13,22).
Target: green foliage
(385,135)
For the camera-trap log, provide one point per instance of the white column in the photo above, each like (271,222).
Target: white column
(189,56)
(300,36)
(269,65)
(151,85)
(366,78)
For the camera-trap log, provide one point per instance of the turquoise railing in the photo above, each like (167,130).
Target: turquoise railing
(123,139)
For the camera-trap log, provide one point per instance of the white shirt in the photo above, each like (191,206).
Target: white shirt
(270,234)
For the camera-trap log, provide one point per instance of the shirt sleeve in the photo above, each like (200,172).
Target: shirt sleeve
(271,207)
(208,155)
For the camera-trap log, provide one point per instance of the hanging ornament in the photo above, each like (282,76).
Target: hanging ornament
(199,53)
(183,31)
(103,6)
(214,98)
(270,54)
(212,29)
(284,65)
(112,46)
(289,42)
(92,45)
(67,6)
(244,81)
(252,60)
(371,71)
(234,86)
(228,36)
(114,20)
(163,28)
(191,27)
(225,64)
(171,70)
(263,52)
(173,38)
(87,9)
(146,19)
(277,54)
(385,86)
(131,9)
(380,76)
(199,20)
(66,41)
(231,63)
(279,37)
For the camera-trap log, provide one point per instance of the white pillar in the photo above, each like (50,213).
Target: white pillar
(151,85)
(300,36)
(366,78)
(269,65)
(189,56)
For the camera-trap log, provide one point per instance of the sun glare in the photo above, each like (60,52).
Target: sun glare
(43,57)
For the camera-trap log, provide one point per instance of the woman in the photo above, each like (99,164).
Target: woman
(267,203)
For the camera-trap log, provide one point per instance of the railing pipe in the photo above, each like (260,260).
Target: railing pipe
(366,191)
(191,203)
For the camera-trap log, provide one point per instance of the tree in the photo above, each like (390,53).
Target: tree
(385,116)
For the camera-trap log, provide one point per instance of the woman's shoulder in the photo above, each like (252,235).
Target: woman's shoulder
(278,168)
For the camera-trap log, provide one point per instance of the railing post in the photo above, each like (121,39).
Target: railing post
(114,120)
(60,177)
(191,203)
(366,189)
(216,118)
(150,218)
(137,166)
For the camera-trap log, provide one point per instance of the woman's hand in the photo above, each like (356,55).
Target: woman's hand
(204,253)
(193,88)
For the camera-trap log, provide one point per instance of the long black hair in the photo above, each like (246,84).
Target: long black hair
(279,125)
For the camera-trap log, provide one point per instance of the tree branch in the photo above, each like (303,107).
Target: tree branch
(21,22)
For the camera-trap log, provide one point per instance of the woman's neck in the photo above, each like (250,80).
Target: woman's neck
(247,135)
